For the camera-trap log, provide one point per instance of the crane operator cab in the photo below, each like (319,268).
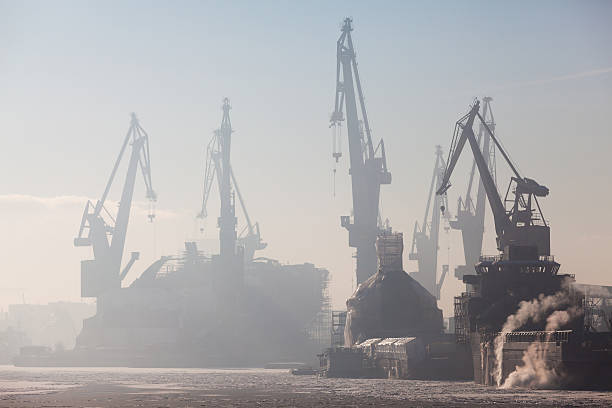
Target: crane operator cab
(528,235)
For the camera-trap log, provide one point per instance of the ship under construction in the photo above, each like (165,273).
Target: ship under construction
(192,310)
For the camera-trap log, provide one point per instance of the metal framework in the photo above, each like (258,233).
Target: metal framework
(597,306)
(338,323)
(426,236)
(518,221)
(471,217)
(98,224)
(367,169)
(462,323)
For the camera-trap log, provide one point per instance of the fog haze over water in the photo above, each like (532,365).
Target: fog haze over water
(72,72)
(164,387)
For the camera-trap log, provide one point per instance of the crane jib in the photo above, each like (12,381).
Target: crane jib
(520,225)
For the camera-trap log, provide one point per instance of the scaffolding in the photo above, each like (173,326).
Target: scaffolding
(320,328)
(389,248)
(338,322)
(597,311)
(462,323)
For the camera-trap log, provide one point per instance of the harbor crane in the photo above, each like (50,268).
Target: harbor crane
(524,269)
(522,232)
(426,236)
(368,165)
(218,166)
(104,272)
(471,217)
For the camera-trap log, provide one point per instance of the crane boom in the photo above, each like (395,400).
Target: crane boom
(470,218)
(242,204)
(368,171)
(210,170)
(467,134)
(251,241)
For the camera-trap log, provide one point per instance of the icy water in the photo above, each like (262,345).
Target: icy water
(112,387)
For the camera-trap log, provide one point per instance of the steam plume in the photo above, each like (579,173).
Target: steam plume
(534,373)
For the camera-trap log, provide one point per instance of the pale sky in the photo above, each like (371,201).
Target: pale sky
(71,73)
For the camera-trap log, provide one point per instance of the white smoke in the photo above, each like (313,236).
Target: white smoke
(559,318)
(533,310)
(534,372)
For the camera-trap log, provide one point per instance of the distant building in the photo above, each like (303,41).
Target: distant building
(53,325)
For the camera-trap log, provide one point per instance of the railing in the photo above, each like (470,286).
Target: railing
(559,336)
(495,258)
(490,258)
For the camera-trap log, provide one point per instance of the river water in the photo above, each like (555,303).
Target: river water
(109,387)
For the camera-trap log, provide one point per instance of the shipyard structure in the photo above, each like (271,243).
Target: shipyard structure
(180,316)
(394,328)
(525,323)
(520,322)
(191,310)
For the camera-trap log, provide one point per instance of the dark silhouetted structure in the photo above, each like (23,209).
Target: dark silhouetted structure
(426,236)
(368,171)
(104,272)
(471,217)
(523,272)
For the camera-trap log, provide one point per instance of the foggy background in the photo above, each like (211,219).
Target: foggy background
(71,73)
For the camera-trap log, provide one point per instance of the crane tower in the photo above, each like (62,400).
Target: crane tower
(368,166)
(426,236)
(250,237)
(104,272)
(227,219)
(234,249)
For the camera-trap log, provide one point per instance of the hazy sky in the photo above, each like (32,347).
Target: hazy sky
(71,73)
